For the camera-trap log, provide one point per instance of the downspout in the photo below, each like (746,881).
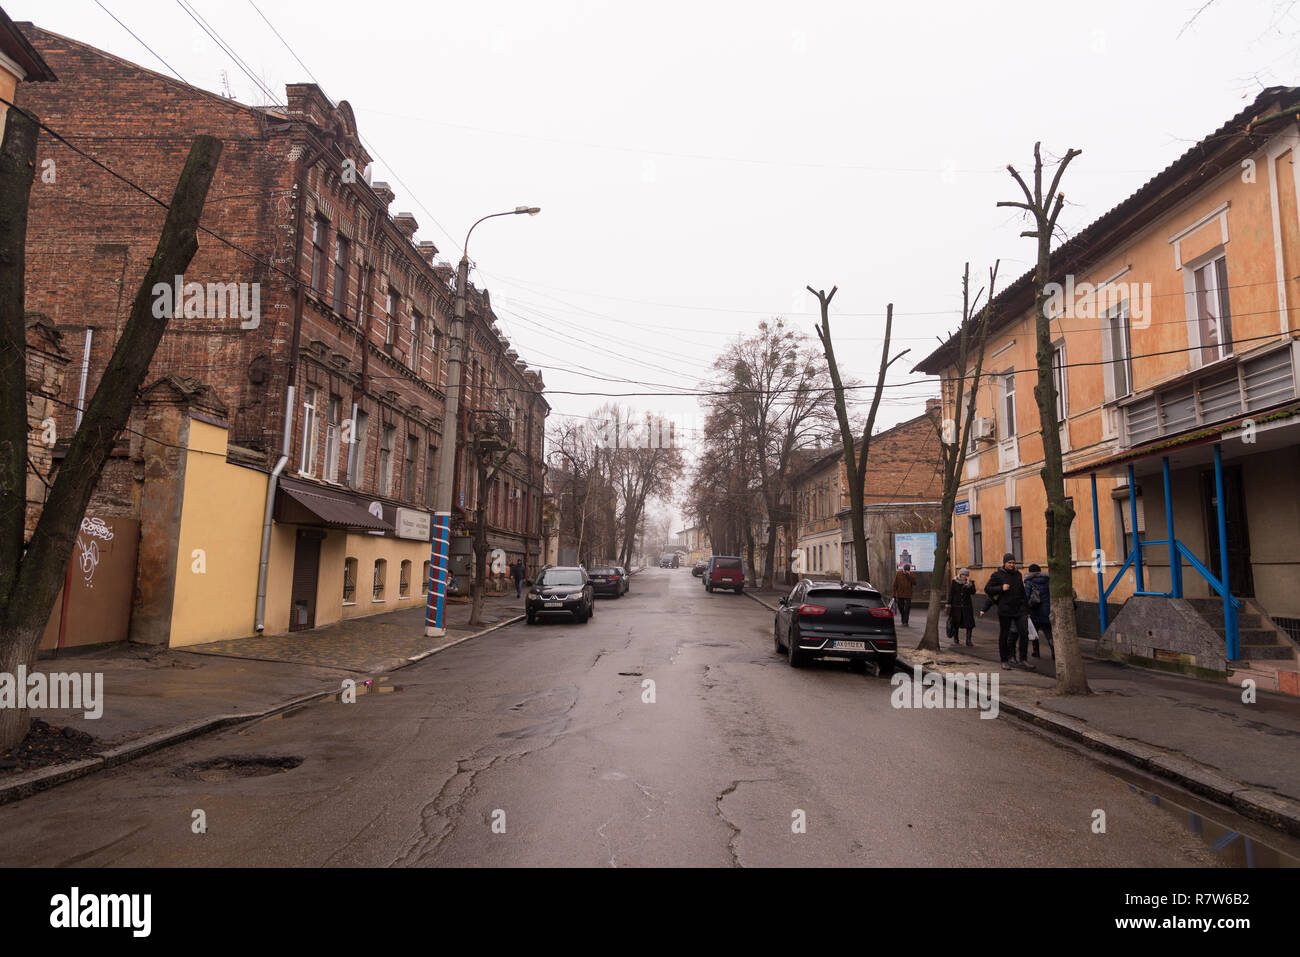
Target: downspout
(259,619)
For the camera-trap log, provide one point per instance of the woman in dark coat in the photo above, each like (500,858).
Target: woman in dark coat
(961,606)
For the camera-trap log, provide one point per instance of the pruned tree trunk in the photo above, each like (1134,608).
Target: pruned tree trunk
(855,471)
(1045,207)
(30,579)
(954,438)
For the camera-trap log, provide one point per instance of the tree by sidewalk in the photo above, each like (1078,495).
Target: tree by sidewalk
(32,571)
(488,458)
(855,471)
(1044,206)
(954,435)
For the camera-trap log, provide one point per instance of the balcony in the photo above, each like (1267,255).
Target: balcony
(491,427)
(1224,391)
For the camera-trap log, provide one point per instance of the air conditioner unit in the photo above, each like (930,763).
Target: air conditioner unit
(984,429)
(516,493)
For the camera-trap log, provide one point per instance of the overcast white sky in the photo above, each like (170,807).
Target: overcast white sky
(698,164)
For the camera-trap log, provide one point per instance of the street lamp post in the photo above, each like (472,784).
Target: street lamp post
(433,615)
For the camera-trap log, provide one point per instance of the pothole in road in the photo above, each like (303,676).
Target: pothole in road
(630,674)
(237,766)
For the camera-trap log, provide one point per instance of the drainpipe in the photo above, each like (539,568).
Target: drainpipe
(260,620)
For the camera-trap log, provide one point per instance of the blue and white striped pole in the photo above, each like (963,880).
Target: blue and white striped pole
(433,614)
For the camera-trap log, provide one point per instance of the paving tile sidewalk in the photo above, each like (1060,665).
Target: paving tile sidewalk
(153,697)
(1195,731)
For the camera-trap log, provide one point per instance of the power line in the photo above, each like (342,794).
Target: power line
(143,44)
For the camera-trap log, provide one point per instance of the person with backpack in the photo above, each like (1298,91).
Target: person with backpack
(517,572)
(1039,601)
(1006,589)
(961,607)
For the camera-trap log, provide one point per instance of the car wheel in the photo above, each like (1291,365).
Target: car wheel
(886,665)
(859,665)
(740,589)
(532,617)
(708,588)
(776,637)
(797,657)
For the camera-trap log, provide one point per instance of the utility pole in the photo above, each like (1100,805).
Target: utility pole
(433,615)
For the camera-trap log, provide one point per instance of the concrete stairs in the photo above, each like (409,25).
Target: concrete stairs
(1268,655)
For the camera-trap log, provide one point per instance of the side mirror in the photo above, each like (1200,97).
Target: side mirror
(783,602)
(528,581)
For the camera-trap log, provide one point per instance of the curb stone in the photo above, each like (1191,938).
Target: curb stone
(1274,810)
(42,779)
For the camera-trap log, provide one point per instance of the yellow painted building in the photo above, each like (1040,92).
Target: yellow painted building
(1175,320)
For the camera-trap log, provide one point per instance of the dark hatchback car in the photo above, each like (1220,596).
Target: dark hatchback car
(561,590)
(607,580)
(725,571)
(627,578)
(827,619)
(698,570)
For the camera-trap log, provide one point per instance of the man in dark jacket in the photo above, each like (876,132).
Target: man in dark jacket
(1006,589)
(1039,598)
(517,573)
(904,582)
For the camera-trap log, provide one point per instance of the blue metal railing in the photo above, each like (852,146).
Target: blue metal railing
(1176,549)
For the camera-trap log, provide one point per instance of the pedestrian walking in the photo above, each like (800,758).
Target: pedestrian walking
(1006,589)
(904,582)
(517,573)
(1039,602)
(961,607)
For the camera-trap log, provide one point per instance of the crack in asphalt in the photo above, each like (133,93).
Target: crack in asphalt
(432,834)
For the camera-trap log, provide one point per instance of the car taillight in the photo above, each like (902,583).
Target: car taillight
(812,609)
(881,613)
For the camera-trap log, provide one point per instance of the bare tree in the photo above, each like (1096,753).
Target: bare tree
(1044,206)
(488,457)
(954,435)
(855,471)
(32,571)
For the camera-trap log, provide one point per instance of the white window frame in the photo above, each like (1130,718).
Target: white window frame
(1115,320)
(357,448)
(307,453)
(386,436)
(1190,272)
(332,424)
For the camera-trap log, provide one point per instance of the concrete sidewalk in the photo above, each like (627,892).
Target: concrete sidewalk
(156,697)
(1196,732)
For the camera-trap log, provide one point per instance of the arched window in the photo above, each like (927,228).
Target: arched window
(404,582)
(350,581)
(381,574)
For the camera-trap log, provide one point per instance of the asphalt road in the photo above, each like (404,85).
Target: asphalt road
(534,746)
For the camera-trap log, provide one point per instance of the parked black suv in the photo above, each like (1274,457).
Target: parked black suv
(826,619)
(561,590)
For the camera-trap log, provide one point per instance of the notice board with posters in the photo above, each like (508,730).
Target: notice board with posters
(915,549)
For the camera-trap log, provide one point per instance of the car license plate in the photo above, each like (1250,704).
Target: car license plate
(554,604)
(849,645)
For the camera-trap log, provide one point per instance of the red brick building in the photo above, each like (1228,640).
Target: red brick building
(316,320)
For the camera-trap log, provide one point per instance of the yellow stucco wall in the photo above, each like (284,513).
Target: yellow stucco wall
(222,519)
(366,549)
(8,86)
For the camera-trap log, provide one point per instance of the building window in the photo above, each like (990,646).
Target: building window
(408,476)
(1213,320)
(386,460)
(1058,380)
(433,356)
(307,462)
(1008,406)
(320,227)
(404,582)
(332,439)
(976,541)
(424,582)
(357,441)
(340,273)
(363,291)
(413,360)
(1015,535)
(349,581)
(1121,367)
(381,573)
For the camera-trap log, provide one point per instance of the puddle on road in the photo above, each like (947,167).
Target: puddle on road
(1233,848)
(369,686)
(237,766)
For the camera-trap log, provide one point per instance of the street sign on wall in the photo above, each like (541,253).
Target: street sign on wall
(412,523)
(962,507)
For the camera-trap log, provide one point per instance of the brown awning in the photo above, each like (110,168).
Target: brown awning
(307,506)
